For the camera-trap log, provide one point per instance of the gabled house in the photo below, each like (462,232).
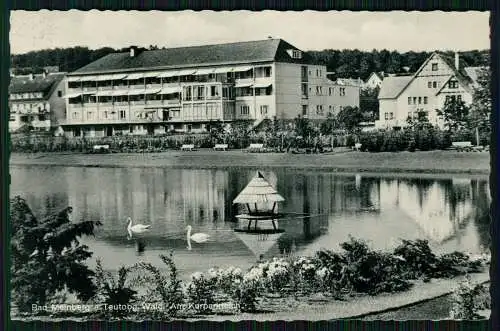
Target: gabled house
(374,80)
(439,78)
(36,101)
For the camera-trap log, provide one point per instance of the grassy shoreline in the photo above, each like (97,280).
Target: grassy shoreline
(430,163)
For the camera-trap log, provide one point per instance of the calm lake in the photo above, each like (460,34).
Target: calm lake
(452,213)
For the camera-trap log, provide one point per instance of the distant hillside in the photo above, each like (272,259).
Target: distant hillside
(345,63)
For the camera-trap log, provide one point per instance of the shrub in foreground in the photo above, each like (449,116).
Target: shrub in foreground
(163,288)
(468,299)
(47,257)
(113,291)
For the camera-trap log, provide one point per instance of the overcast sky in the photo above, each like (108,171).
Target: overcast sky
(309,30)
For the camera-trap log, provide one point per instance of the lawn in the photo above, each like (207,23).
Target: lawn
(433,162)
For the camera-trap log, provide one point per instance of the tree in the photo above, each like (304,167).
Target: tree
(217,132)
(47,257)
(349,118)
(329,125)
(454,113)
(480,111)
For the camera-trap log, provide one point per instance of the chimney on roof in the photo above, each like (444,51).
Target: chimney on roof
(457,61)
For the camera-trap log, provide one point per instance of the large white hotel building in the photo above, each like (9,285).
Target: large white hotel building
(185,89)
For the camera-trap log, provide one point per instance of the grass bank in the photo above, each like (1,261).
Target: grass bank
(342,161)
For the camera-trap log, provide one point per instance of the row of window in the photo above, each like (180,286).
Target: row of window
(18,96)
(245,110)
(305,73)
(196,93)
(433,84)
(331,91)
(29,118)
(451,84)
(29,107)
(319,90)
(320,110)
(417,100)
(389,116)
(419,114)
(258,72)
(453,98)
(36,95)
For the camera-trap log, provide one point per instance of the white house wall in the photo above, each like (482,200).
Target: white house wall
(57,112)
(321,92)
(288,90)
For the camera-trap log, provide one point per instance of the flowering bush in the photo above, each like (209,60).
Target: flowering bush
(200,291)
(277,274)
(228,278)
(248,290)
(330,271)
(304,269)
(468,298)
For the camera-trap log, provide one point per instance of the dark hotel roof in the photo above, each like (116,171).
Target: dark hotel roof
(23,84)
(220,54)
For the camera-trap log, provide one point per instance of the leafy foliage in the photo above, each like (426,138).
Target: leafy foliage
(454,113)
(113,291)
(468,298)
(480,111)
(161,287)
(424,139)
(418,256)
(349,118)
(47,257)
(200,291)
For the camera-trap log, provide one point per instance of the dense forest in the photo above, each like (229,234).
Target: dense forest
(345,63)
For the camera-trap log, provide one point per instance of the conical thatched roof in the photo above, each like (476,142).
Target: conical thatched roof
(257,191)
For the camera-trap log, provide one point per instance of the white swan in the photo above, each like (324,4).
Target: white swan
(197,237)
(138,228)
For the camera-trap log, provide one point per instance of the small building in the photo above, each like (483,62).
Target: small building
(439,78)
(374,80)
(36,102)
(145,92)
(260,199)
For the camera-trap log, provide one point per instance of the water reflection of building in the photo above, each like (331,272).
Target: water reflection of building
(165,198)
(438,206)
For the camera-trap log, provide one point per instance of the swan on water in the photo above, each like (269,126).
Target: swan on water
(197,237)
(137,228)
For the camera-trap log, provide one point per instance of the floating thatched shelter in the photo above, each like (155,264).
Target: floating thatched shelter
(261,199)
(259,192)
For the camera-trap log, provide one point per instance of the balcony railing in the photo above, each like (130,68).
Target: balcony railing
(104,88)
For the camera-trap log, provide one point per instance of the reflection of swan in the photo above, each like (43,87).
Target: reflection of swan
(197,237)
(140,246)
(138,228)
